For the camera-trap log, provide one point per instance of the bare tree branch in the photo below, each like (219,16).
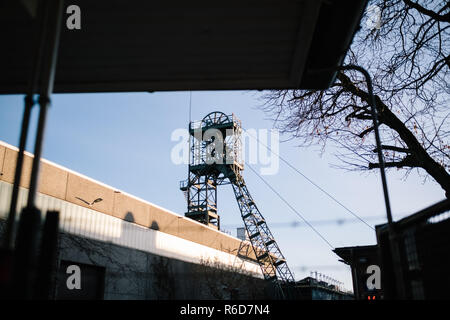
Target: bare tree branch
(430,13)
(409,60)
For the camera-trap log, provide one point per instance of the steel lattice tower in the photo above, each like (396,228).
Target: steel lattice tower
(216,159)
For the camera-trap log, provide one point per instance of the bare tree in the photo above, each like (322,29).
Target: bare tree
(229,282)
(409,60)
(164,282)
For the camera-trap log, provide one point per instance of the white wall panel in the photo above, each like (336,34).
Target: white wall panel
(92,224)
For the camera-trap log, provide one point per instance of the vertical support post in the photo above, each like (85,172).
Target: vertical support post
(42,79)
(53,17)
(25,253)
(44,103)
(38,54)
(47,257)
(393,241)
(44,58)
(377,135)
(18,172)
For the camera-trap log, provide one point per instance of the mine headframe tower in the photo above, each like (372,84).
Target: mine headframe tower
(215,159)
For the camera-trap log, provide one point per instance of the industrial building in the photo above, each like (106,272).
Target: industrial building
(359,258)
(421,242)
(314,289)
(128,248)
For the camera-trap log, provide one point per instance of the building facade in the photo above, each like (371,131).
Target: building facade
(128,248)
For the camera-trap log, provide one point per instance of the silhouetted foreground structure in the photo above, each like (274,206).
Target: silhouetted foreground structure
(424,247)
(145,46)
(359,259)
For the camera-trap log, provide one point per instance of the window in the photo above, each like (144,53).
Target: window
(91,281)
(411,251)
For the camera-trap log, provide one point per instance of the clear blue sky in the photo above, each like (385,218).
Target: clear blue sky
(124,140)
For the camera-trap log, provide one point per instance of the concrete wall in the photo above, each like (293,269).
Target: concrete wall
(134,274)
(94,225)
(146,252)
(62,183)
(131,274)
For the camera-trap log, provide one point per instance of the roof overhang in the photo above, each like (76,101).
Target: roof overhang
(143,45)
(349,254)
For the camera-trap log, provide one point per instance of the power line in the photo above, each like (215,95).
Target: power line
(292,208)
(297,224)
(310,181)
(320,267)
